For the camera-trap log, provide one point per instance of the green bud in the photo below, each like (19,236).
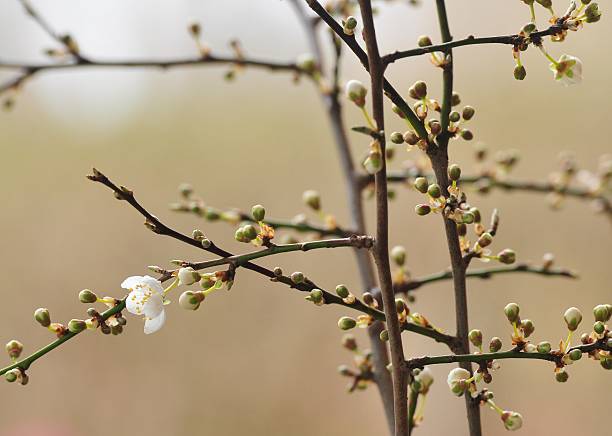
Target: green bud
(258,212)
(467,134)
(422,209)
(76,325)
(14,349)
(346,323)
(421,184)
(507,256)
(424,41)
(529,28)
(454,172)
(297,277)
(206,243)
(86,296)
(42,316)
(398,254)
(312,199)
(434,190)
(592,13)
(599,327)
(190,300)
(11,376)
(249,232)
(468,113)
(384,335)
(454,116)
(342,291)
(197,234)
(512,312)
(356,92)
(575,354)
(561,376)
(188,276)
(468,217)
(520,72)
(350,25)
(476,212)
(400,305)
(316,296)
(572,317)
(207,282)
(546,3)
(239,235)
(544,347)
(455,99)
(605,362)
(475,337)
(601,313)
(410,137)
(485,239)
(527,327)
(212,214)
(397,138)
(373,162)
(418,91)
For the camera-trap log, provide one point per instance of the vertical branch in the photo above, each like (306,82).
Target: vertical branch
(355,203)
(381,246)
(440,166)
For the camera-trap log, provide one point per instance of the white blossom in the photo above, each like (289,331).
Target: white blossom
(567,70)
(457,380)
(512,420)
(146,298)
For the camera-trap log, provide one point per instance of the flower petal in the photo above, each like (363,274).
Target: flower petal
(131,282)
(153,324)
(153,304)
(134,303)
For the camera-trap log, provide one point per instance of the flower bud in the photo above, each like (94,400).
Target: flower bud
(422,209)
(197,234)
(14,349)
(349,342)
(342,291)
(410,137)
(76,325)
(356,92)
(475,337)
(468,217)
(297,277)
(400,305)
(384,335)
(349,25)
(592,13)
(190,300)
(421,184)
(316,296)
(312,199)
(185,189)
(602,313)
(468,113)
(485,239)
(512,312)
(188,276)
(457,381)
(599,327)
(467,134)
(424,41)
(530,348)
(520,72)
(398,254)
(455,99)
(42,316)
(258,212)
(512,420)
(507,256)
(12,375)
(544,347)
(206,243)
(454,172)
(605,362)
(572,317)
(86,296)
(527,327)
(575,354)
(454,116)
(249,232)
(346,323)
(434,126)
(307,63)
(434,190)
(396,138)
(495,345)
(418,91)
(561,376)
(207,282)
(374,162)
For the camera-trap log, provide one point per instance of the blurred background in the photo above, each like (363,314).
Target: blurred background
(260,360)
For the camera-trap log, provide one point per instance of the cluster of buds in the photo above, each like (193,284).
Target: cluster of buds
(208,283)
(522,328)
(439,59)
(362,374)
(247,232)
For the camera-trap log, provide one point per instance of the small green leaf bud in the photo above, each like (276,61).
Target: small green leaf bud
(86,296)
(249,232)
(544,347)
(599,327)
(485,239)
(190,300)
(14,349)
(76,325)
(592,13)
(342,291)
(410,137)
(527,327)
(397,138)
(188,276)
(424,41)
(384,335)
(434,190)
(316,296)
(42,316)
(239,235)
(418,91)
(520,72)
(422,209)
(307,63)
(512,312)
(507,256)
(206,243)
(475,337)
(467,134)
(312,199)
(11,376)
(468,113)
(601,313)
(398,254)
(297,277)
(575,354)
(468,217)
(350,25)
(561,376)
(258,212)
(346,323)
(454,172)
(421,184)
(454,116)
(572,317)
